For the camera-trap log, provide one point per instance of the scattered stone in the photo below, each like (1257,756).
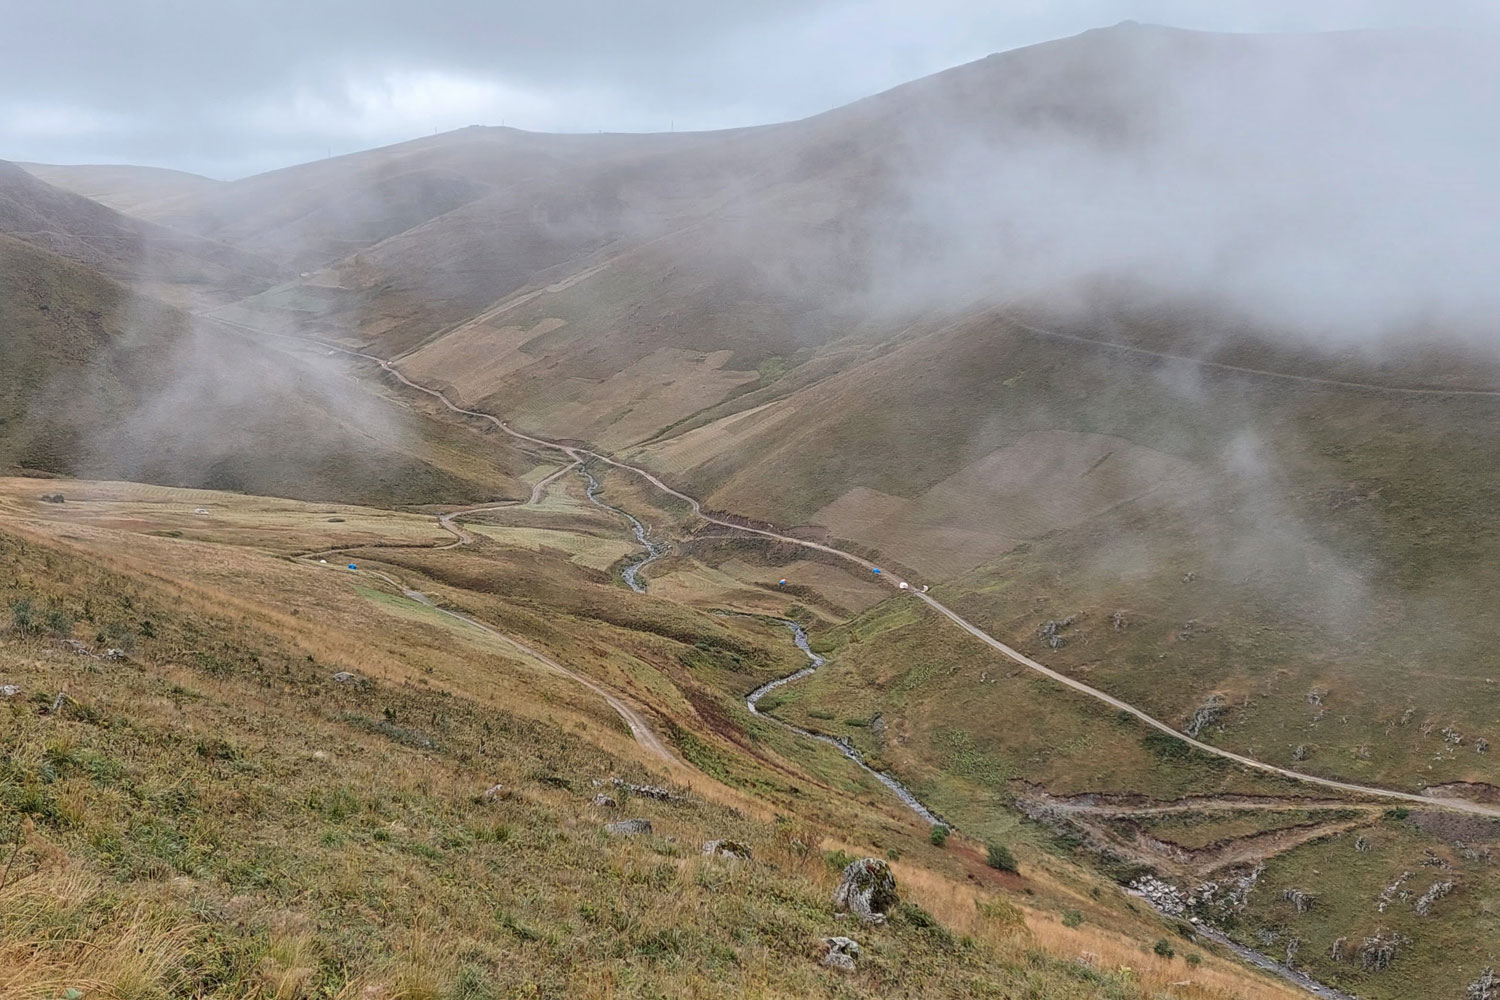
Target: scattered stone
(1117,621)
(1316,696)
(840,953)
(1481,745)
(495,793)
(1434,893)
(1189,577)
(1300,899)
(1292,947)
(1377,953)
(628,827)
(1339,947)
(52,498)
(1300,753)
(74,646)
(1393,891)
(9,690)
(345,677)
(727,849)
(645,791)
(1486,987)
(867,890)
(1361,844)
(1208,714)
(1051,632)
(605,801)
(1165,896)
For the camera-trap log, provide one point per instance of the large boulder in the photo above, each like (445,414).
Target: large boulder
(867,890)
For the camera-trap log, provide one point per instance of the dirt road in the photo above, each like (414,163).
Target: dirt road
(578,454)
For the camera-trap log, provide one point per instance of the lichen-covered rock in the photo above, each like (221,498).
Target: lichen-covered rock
(840,953)
(645,791)
(867,890)
(9,690)
(495,793)
(628,828)
(345,677)
(727,849)
(605,801)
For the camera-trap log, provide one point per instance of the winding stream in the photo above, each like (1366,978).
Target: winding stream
(752,702)
(654,551)
(631,571)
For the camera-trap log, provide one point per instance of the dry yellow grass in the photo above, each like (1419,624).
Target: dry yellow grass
(237,735)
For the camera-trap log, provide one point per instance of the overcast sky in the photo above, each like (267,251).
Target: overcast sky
(233,87)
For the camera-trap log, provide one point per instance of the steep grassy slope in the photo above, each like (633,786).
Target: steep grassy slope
(214,815)
(166,263)
(124,188)
(1298,550)
(103,380)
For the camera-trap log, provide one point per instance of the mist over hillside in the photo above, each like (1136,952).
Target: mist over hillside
(1090,448)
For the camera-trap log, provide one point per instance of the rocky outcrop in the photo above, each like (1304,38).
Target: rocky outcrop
(840,953)
(867,890)
(727,849)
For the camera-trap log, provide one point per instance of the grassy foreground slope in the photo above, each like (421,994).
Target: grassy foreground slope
(212,814)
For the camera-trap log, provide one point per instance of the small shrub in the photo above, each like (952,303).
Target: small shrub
(1071,918)
(839,860)
(59,623)
(939,835)
(1193,958)
(1000,858)
(23,617)
(1398,813)
(1163,948)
